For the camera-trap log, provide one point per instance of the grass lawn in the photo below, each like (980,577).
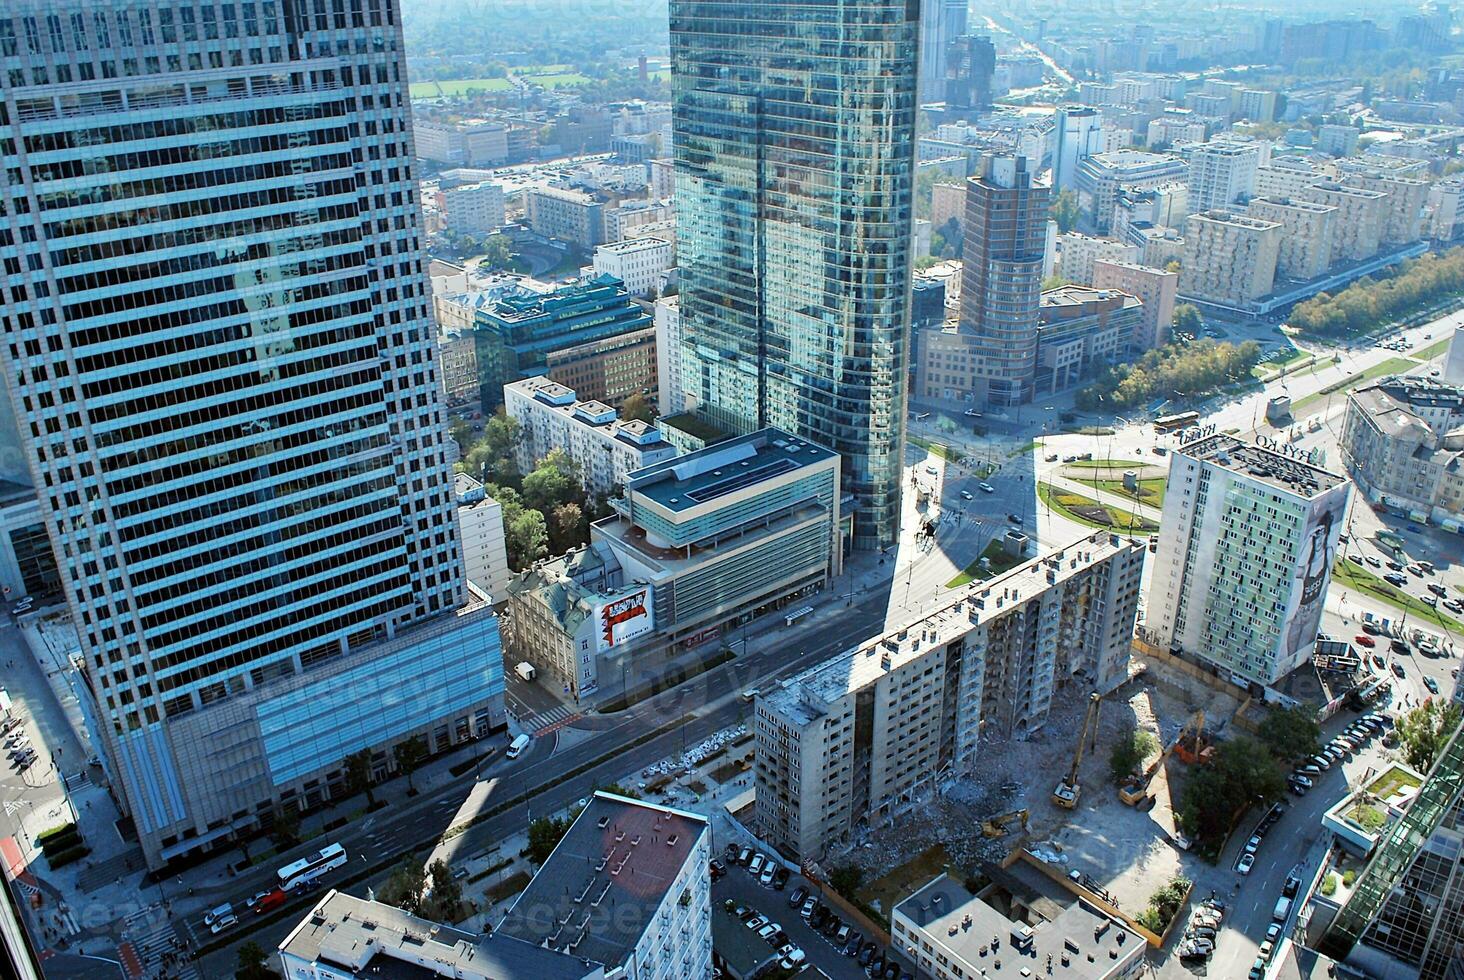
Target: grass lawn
(562,79)
(1367,816)
(938,448)
(1369,584)
(1393,365)
(509,886)
(1151,492)
(1432,350)
(433,90)
(1103,464)
(1089,512)
(885,893)
(1391,782)
(1270,369)
(1000,561)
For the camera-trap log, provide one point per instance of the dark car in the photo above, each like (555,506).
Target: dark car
(797,896)
(1393,578)
(717,868)
(780,878)
(820,913)
(854,945)
(1371,628)
(1400,648)
(832,926)
(1398,669)
(865,954)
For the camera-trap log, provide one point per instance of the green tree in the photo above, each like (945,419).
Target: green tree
(286,827)
(567,528)
(846,880)
(403,888)
(410,754)
(1424,731)
(1053,282)
(638,406)
(1064,210)
(1290,733)
(1187,320)
(498,252)
(554,481)
(358,776)
(1130,751)
(1172,266)
(462,434)
(1243,772)
(545,833)
(251,963)
(445,898)
(525,537)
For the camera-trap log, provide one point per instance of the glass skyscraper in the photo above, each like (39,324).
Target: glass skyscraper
(794,131)
(218,342)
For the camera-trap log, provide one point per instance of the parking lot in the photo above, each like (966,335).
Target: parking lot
(743,890)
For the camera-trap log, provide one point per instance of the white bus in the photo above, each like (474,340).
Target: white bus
(307,869)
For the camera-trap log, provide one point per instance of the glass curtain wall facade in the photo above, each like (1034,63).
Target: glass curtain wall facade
(219,345)
(794,147)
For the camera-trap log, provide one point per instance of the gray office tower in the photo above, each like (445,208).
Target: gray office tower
(219,348)
(794,141)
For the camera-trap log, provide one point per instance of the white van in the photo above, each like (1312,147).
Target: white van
(1282,909)
(517,746)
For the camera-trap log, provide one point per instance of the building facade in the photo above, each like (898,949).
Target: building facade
(1082,330)
(858,737)
(485,553)
(795,166)
(474,209)
(565,215)
(1100,178)
(1403,210)
(1229,259)
(604,446)
(1222,173)
(588,335)
(1155,289)
(672,393)
(470,143)
(1241,574)
(1305,248)
(1403,443)
(1357,229)
(1077,253)
(1077,136)
(1001,273)
(637,262)
(246,447)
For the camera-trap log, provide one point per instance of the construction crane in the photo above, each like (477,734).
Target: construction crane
(997,826)
(1066,793)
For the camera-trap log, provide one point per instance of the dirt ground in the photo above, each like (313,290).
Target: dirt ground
(1125,850)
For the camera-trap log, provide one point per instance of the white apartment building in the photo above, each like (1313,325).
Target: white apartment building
(1176,126)
(474,209)
(1403,211)
(854,738)
(485,553)
(1241,575)
(627,887)
(471,143)
(1222,173)
(1338,140)
(637,262)
(1229,259)
(605,446)
(1285,177)
(622,220)
(1305,249)
(670,391)
(1076,254)
(662,185)
(1100,178)
(1445,208)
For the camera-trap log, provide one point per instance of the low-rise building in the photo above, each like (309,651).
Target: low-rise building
(474,209)
(1305,247)
(1403,443)
(485,552)
(1080,330)
(1077,252)
(1229,259)
(1155,289)
(458,359)
(469,143)
(606,447)
(637,262)
(846,743)
(1241,574)
(950,934)
(627,217)
(565,215)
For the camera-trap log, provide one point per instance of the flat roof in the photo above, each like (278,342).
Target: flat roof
(607,877)
(984,937)
(377,940)
(802,698)
(1276,469)
(696,478)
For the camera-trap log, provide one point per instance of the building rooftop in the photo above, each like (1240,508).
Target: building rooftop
(1276,468)
(742,949)
(605,880)
(1131,160)
(1082,943)
(1235,219)
(697,478)
(805,697)
(592,414)
(1071,298)
(629,245)
(370,939)
(1296,204)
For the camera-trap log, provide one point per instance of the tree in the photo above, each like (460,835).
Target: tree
(567,528)
(1064,210)
(358,776)
(410,754)
(1187,320)
(1243,772)
(554,481)
(1053,282)
(403,888)
(1172,266)
(1129,753)
(445,898)
(638,406)
(846,880)
(525,537)
(545,834)
(286,827)
(252,963)
(1425,730)
(1290,733)
(498,252)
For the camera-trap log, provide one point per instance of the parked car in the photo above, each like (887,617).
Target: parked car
(756,865)
(1254,844)
(1374,561)
(766,878)
(1398,669)
(966,495)
(796,897)
(757,922)
(1363,640)
(780,877)
(1431,684)
(1247,861)
(1393,578)
(809,905)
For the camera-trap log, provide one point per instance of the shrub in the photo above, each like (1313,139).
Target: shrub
(65,828)
(68,856)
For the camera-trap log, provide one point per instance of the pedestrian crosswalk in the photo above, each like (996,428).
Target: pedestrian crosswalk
(552,720)
(152,950)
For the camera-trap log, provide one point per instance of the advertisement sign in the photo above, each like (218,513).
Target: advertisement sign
(1313,569)
(624,618)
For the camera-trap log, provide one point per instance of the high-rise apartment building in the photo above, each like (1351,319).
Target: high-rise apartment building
(1077,136)
(1241,574)
(1403,210)
(795,161)
(221,353)
(1305,248)
(1229,259)
(1001,275)
(1155,288)
(844,743)
(1362,216)
(1222,173)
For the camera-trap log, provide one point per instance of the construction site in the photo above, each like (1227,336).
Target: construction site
(1053,793)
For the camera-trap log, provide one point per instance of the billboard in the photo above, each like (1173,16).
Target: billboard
(624,618)
(1313,572)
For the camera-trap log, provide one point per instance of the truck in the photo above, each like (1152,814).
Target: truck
(1282,909)
(525,670)
(517,746)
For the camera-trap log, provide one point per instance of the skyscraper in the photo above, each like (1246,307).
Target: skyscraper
(794,146)
(1077,136)
(220,352)
(1001,278)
